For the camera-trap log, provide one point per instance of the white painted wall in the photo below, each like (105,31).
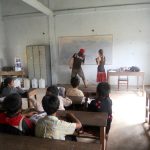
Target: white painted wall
(22,31)
(2,40)
(131,39)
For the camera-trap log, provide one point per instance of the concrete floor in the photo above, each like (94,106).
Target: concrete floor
(128,131)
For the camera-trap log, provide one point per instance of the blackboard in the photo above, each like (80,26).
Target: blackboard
(68,45)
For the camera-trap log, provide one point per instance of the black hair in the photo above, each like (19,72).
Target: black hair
(53,90)
(101,51)
(103,89)
(75,81)
(50,104)
(7,81)
(12,104)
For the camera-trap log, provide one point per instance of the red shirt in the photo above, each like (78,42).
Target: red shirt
(19,122)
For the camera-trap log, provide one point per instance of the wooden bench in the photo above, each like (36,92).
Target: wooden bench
(15,142)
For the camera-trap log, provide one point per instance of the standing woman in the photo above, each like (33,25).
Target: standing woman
(100,60)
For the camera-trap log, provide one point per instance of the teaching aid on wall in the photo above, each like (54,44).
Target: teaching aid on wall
(68,45)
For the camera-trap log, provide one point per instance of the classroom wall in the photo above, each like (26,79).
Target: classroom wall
(129,26)
(2,40)
(22,31)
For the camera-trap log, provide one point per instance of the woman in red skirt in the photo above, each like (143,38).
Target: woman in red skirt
(100,60)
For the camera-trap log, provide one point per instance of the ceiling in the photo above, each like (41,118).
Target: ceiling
(14,7)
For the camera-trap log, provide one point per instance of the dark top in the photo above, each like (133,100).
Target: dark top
(78,60)
(101,64)
(10,90)
(19,122)
(101,68)
(102,105)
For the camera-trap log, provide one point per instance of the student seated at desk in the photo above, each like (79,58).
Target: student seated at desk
(50,126)
(103,103)
(12,119)
(8,88)
(74,91)
(63,101)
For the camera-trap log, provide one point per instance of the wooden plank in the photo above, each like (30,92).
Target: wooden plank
(12,73)
(98,119)
(14,142)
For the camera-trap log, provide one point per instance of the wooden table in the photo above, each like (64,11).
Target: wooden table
(92,119)
(14,142)
(12,73)
(147,108)
(127,73)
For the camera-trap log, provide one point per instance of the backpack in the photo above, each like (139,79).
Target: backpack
(134,69)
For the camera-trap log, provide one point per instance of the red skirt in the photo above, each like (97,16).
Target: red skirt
(101,77)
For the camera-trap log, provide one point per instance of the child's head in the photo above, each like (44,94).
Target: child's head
(75,81)
(52,90)
(12,104)
(103,89)
(50,104)
(9,81)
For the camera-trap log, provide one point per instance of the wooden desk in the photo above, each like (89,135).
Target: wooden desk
(89,91)
(13,142)
(147,108)
(127,73)
(92,119)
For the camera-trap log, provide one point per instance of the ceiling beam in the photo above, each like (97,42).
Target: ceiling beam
(39,6)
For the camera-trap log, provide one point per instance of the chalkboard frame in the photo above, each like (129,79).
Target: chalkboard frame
(68,45)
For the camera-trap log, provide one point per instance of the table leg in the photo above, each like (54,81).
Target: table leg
(137,82)
(102,138)
(149,111)
(143,86)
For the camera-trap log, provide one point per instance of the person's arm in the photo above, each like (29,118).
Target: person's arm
(20,91)
(98,59)
(74,119)
(83,60)
(67,101)
(71,61)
